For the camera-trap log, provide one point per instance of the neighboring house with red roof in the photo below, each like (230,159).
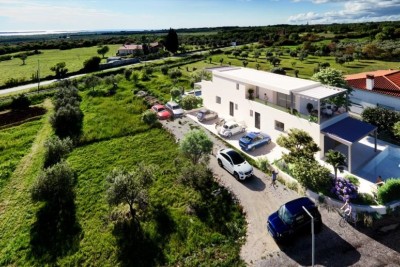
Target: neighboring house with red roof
(134,49)
(375,88)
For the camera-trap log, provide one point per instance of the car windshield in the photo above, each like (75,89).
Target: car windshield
(236,158)
(285,215)
(246,139)
(160,109)
(176,107)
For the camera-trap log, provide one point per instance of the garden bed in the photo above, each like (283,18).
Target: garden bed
(13,118)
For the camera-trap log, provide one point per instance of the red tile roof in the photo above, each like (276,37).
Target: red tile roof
(131,47)
(385,81)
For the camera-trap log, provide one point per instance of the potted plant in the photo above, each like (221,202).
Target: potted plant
(251,92)
(310,107)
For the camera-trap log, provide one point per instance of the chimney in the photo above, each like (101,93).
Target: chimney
(369,82)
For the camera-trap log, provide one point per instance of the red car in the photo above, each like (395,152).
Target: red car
(162,113)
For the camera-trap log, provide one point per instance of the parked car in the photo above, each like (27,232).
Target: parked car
(195,92)
(174,108)
(206,115)
(234,163)
(252,140)
(291,219)
(161,111)
(230,128)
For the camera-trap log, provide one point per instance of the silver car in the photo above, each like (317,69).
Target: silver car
(174,109)
(230,128)
(206,115)
(234,163)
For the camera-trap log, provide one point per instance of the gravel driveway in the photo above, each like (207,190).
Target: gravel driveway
(335,246)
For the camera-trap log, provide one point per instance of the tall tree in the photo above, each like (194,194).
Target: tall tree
(171,41)
(103,50)
(23,57)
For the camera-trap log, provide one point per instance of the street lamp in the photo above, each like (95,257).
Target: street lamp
(312,236)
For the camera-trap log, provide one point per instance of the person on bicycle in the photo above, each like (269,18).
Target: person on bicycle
(347,208)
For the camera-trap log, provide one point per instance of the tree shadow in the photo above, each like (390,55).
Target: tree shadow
(55,233)
(135,247)
(330,249)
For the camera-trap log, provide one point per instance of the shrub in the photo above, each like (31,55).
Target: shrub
(384,119)
(344,189)
(54,185)
(175,73)
(149,117)
(190,102)
(128,74)
(56,149)
(364,199)
(164,70)
(67,121)
(263,164)
(92,64)
(21,102)
(390,191)
(312,175)
(175,92)
(354,180)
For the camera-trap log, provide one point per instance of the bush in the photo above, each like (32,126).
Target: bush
(92,64)
(128,74)
(175,93)
(344,189)
(390,191)
(190,102)
(149,117)
(384,119)
(56,149)
(354,180)
(54,185)
(67,121)
(264,165)
(21,102)
(175,73)
(312,175)
(364,199)
(164,70)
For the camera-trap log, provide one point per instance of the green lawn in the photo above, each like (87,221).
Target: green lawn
(73,58)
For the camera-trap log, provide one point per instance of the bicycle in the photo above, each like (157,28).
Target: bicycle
(347,218)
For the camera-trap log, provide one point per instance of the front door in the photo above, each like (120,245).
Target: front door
(257,120)
(231,108)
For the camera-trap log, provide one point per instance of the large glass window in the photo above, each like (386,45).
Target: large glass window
(284,100)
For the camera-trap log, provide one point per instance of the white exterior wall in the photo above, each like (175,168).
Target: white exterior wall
(371,99)
(226,90)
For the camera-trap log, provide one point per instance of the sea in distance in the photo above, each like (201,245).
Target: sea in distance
(49,32)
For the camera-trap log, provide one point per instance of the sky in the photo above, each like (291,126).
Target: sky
(31,15)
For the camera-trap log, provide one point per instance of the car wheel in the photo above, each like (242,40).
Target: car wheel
(229,135)
(236,176)
(243,129)
(219,162)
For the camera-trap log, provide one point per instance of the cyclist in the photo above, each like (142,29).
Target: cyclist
(347,209)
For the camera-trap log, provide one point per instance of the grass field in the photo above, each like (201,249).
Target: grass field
(114,136)
(73,58)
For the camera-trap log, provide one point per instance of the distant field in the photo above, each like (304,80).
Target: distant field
(73,58)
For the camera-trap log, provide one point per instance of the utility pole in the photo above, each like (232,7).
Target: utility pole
(38,76)
(313,237)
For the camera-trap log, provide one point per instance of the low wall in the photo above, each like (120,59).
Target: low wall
(118,63)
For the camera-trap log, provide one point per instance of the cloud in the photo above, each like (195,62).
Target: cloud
(351,11)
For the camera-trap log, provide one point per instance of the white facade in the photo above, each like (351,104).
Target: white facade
(273,95)
(372,99)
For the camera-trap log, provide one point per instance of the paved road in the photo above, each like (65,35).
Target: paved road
(335,246)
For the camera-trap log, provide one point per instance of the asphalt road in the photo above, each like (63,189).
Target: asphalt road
(335,246)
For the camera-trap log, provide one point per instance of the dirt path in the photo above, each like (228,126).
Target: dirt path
(335,246)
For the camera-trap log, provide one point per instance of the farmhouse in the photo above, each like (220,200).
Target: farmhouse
(375,88)
(134,49)
(274,103)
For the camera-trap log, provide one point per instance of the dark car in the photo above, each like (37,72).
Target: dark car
(291,219)
(252,140)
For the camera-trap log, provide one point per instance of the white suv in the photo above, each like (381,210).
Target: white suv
(230,128)
(175,109)
(234,163)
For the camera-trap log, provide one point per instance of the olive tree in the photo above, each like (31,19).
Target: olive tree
(196,145)
(60,70)
(103,50)
(130,188)
(55,185)
(312,175)
(300,145)
(56,149)
(67,121)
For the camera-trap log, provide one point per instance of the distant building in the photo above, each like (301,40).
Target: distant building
(135,49)
(375,88)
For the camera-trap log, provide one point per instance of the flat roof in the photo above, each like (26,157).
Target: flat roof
(348,130)
(320,92)
(276,82)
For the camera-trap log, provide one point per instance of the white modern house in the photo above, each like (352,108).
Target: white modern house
(375,88)
(275,103)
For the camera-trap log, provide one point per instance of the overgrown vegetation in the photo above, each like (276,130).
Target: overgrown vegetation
(390,191)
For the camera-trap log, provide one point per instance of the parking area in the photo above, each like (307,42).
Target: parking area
(335,246)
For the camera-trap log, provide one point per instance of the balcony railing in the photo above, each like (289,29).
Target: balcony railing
(287,110)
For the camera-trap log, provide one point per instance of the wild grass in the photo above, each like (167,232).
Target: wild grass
(17,211)
(73,58)
(15,143)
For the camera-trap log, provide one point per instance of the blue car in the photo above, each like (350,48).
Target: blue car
(291,219)
(252,140)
